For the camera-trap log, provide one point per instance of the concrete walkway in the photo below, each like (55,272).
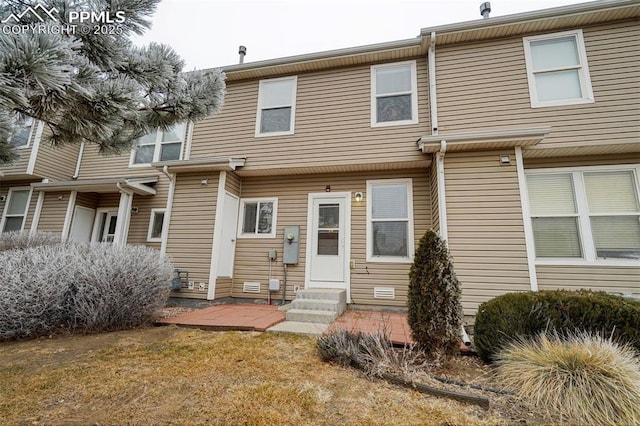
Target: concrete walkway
(258,317)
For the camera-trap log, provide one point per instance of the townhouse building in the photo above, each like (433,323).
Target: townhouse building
(517,138)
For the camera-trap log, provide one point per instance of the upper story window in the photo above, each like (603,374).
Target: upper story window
(276,106)
(15,209)
(390,220)
(557,69)
(258,217)
(394,98)
(21,137)
(589,214)
(159,145)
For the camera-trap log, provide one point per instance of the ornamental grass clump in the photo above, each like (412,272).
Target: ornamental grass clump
(582,378)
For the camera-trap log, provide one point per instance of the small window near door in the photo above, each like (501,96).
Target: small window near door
(15,210)
(156,223)
(390,221)
(258,218)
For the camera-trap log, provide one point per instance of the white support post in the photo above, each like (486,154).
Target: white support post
(217,232)
(66,227)
(528,228)
(124,217)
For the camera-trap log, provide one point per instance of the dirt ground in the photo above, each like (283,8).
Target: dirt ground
(168,375)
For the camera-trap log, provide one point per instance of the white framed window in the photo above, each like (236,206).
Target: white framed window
(156,225)
(557,69)
(394,96)
(390,221)
(159,145)
(15,209)
(22,135)
(257,218)
(589,214)
(276,106)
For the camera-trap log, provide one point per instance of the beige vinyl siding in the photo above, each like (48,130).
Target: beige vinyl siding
(56,163)
(622,280)
(332,125)
(252,263)
(485,227)
(223,287)
(109,200)
(87,199)
(599,160)
(191,228)
(139,223)
(53,212)
(483,86)
(95,165)
(234,184)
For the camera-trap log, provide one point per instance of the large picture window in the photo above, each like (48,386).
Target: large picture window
(390,220)
(159,145)
(394,99)
(557,69)
(276,106)
(258,218)
(591,214)
(15,210)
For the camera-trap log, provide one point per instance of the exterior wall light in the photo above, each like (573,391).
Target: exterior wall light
(327,188)
(358,197)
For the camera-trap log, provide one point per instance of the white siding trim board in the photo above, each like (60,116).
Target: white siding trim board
(217,231)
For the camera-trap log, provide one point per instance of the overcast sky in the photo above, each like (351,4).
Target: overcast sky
(207,33)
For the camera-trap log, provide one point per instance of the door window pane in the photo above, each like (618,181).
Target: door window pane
(328,242)
(328,216)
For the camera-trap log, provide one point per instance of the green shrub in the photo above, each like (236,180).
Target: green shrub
(526,314)
(584,379)
(435,312)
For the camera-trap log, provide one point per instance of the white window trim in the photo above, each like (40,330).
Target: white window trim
(274,218)
(8,201)
(585,78)
(586,238)
(151,239)
(410,234)
(259,134)
(414,95)
(157,148)
(34,125)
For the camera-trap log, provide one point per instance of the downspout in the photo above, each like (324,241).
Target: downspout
(433,96)
(167,214)
(78,161)
(442,195)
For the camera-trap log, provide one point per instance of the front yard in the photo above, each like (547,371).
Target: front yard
(168,375)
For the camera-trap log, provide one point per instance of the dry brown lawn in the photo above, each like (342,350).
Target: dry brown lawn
(168,375)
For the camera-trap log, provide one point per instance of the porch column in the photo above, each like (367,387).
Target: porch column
(124,217)
(66,227)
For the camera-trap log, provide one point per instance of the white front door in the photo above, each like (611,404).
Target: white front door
(228,236)
(328,240)
(82,224)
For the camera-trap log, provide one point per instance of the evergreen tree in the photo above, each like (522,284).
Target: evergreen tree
(435,311)
(94,87)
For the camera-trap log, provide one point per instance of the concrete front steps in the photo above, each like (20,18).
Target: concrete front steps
(312,311)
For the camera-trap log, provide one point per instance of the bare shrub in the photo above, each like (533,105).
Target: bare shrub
(17,240)
(586,379)
(80,288)
(373,353)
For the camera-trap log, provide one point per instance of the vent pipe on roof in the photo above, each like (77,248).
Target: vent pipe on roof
(242,50)
(485,9)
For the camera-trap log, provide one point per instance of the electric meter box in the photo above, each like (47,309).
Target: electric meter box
(291,245)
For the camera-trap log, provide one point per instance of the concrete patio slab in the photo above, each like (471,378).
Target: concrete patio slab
(296,327)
